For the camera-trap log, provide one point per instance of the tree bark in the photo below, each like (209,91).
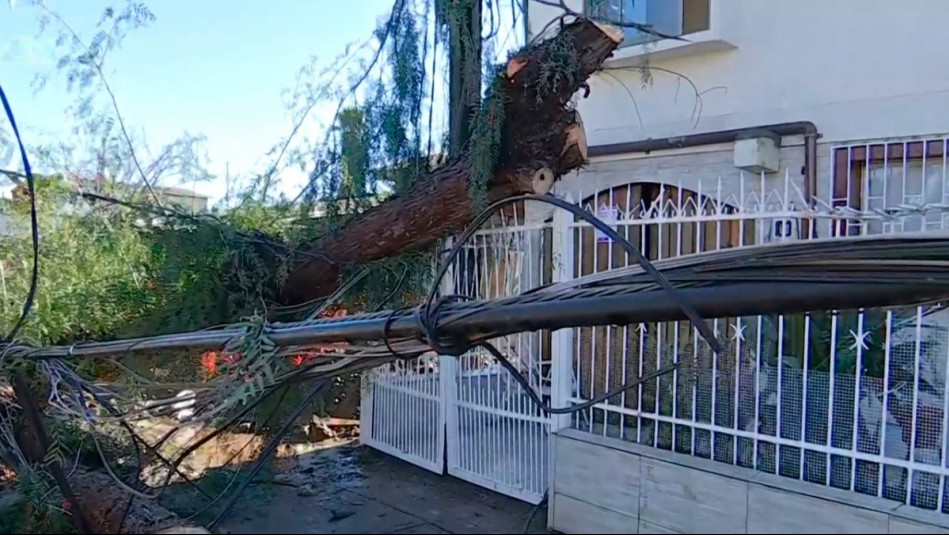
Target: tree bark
(540,131)
(112,510)
(464,84)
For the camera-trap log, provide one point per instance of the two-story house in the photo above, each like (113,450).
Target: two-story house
(769,119)
(756,121)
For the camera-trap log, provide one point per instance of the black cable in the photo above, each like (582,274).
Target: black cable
(536,509)
(385,332)
(390,295)
(125,513)
(519,378)
(34,222)
(216,499)
(137,440)
(426,316)
(175,464)
(427,313)
(210,436)
(264,455)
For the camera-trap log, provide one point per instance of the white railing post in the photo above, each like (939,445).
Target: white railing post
(448,382)
(366,388)
(561,354)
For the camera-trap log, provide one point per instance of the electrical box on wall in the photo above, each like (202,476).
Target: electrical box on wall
(780,230)
(758,155)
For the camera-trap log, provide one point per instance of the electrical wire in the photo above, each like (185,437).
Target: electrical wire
(268,451)
(234,455)
(427,313)
(34,222)
(427,319)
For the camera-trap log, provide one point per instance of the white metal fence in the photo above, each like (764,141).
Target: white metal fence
(855,400)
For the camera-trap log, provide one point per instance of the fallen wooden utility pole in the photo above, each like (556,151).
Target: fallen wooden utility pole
(542,138)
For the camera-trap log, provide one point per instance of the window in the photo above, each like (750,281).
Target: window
(670,17)
(886,175)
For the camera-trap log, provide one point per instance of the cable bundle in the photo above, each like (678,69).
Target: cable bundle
(885,259)
(840,273)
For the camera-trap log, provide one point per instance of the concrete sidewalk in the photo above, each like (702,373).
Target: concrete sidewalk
(353,489)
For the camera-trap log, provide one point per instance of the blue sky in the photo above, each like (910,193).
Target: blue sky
(212,67)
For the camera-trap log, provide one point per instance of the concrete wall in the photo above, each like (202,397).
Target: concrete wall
(858,68)
(605,485)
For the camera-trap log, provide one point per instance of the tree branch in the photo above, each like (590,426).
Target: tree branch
(115,105)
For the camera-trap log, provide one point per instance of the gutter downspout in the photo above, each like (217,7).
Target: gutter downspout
(805,128)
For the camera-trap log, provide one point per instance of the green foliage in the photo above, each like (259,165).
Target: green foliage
(258,360)
(375,145)
(80,62)
(560,67)
(354,150)
(108,271)
(56,450)
(486,139)
(93,269)
(38,509)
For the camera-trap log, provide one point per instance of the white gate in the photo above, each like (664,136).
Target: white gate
(496,435)
(402,413)
(856,400)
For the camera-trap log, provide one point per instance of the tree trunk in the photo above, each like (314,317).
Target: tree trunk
(541,135)
(112,509)
(464,82)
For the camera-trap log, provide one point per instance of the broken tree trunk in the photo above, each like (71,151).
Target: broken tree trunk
(542,137)
(113,510)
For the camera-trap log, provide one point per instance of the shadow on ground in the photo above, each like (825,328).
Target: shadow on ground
(354,489)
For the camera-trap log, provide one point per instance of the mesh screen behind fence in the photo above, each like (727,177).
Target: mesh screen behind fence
(799,396)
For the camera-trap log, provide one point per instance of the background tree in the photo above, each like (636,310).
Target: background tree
(382,155)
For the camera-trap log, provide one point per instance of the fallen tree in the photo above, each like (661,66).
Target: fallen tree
(526,136)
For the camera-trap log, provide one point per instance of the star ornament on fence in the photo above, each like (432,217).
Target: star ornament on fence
(738,331)
(860,340)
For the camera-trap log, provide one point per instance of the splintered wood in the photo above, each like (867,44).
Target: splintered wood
(540,131)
